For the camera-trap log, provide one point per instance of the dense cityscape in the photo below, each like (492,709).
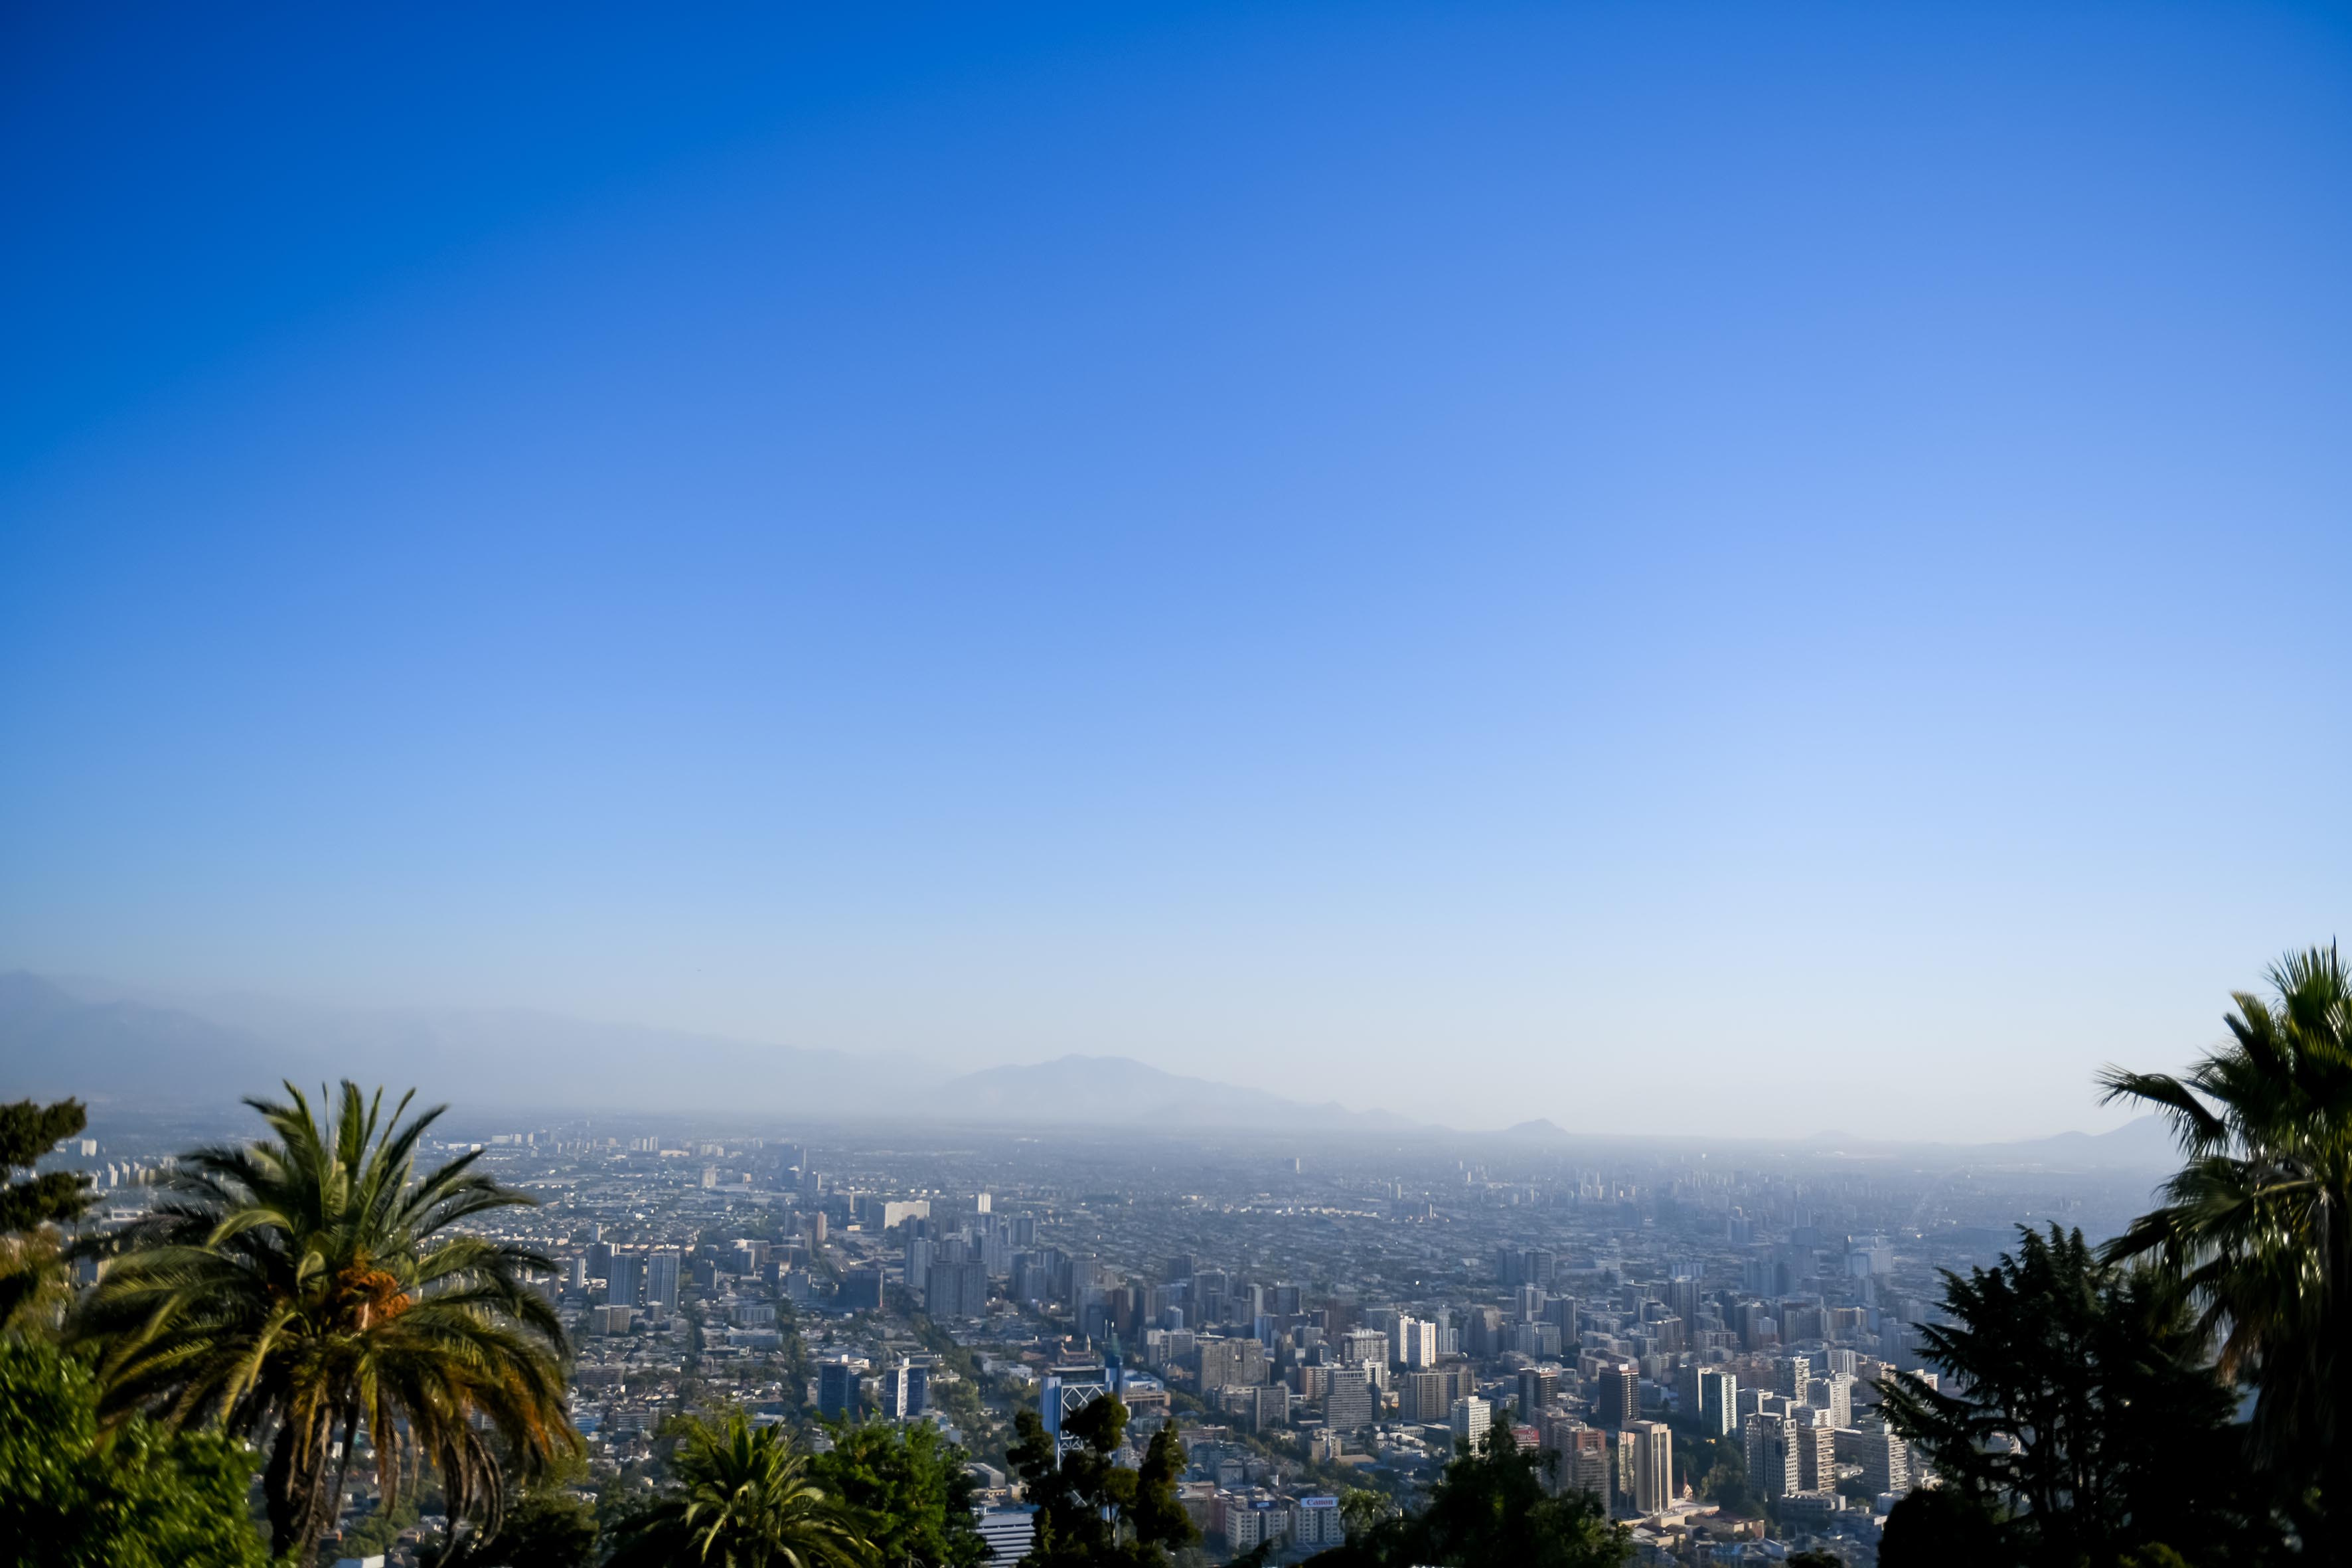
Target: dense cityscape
(1698,1335)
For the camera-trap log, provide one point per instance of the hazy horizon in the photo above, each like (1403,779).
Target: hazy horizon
(280,1019)
(1487,562)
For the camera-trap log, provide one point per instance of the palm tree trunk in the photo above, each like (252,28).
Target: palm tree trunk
(294,1487)
(277,1487)
(2335,1373)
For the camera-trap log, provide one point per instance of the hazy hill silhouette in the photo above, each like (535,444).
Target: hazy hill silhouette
(64,1038)
(111,1046)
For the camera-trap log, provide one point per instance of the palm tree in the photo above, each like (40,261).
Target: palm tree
(746,1500)
(300,1289)
(2258,1224)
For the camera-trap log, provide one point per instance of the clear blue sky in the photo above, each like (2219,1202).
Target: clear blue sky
(1716,568)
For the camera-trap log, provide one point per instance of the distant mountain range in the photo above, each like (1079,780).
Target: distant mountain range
(109,1047)
(112,1047)
(1541,1130)
(58,1038)
(2144,1144)
(54,1041)
(1119,1091)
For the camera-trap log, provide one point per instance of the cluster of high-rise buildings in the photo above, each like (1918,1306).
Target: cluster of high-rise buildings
(645,1278)
(1601,1379)
(1315,1323)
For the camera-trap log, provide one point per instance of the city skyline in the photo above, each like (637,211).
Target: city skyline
(1311,1328)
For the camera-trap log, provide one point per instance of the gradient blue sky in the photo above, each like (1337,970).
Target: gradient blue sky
(1709,569)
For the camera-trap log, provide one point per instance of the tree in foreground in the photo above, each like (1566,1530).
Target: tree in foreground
(147,1498)
(2089,1428)
(2257,1226)
(33,1279)
(545,1524)
(1092,1513)
(745,1498)
(306,1288)
(909,1491)
(1721,1469)
(545,1527)
(1942,1527)
(1493,1504)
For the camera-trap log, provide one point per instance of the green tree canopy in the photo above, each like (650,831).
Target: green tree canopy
(745,1497)
(910,1492)
(1492,1505)
(546,1523)
(1942,1527)
(380,1528)
(546,1526)
(32,1267)
(1091,1513)
(1721,1472)
(1362,1510)
(2087,1425)
(147,1499)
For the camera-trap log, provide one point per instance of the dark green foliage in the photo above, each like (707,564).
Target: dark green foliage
(957,1394)
(1938,1527)
(2257,1226)
(378,1531)
(1816,1559)
(1090,1512)
(1362,1511)
(547,1527)
(744,1499)
(28,1131)
(910,1492)
(32,1271)
(1722,1477)
(2122,1436)
(1492,1506)
(148,1499)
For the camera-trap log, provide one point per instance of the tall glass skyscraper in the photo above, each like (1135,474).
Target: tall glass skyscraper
(661,1280)
(624,1280)
(836,1390)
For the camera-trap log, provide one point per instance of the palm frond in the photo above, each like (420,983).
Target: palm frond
(298,1286)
